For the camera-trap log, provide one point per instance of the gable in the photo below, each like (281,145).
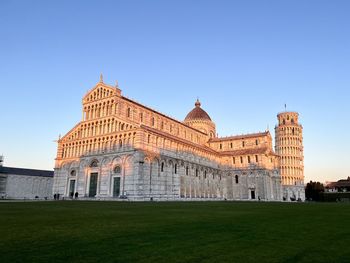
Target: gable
(72,134)
(101,91)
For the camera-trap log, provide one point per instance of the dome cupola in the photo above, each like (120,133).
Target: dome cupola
(197,113)
(200,120)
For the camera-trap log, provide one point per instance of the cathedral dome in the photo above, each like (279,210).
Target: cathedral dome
(197,113)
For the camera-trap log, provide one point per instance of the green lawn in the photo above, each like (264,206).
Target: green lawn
(174,232)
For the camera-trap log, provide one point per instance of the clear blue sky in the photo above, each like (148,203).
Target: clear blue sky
(243,59)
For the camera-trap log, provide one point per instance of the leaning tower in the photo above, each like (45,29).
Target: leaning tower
(289,146)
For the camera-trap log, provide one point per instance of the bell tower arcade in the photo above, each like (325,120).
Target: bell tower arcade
(289,146)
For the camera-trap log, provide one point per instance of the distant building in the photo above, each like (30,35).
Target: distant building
(123,149)
(339,186)
(20,183)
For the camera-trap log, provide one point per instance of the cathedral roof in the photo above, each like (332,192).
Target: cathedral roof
(260,150)
(197,113)
(165,134)
(240,137)
(24,171)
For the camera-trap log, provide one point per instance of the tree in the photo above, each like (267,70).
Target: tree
(313,191)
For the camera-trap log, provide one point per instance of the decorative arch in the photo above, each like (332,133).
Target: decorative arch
(127,160)
(117,169)
(83,164)
(66,165)
(116,161)
(94,163)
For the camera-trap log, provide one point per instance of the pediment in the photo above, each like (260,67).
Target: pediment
(101,91)
(72,134)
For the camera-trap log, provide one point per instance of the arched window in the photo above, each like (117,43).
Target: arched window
(196,172)
(236,178)
(186,170)
(94,163)
(149,139)
(256,142)
(152,121)
(73,173)
(248,159)
(128,112)
(141,117)
(162,167)
(117,169)
(175,169)
(243,144)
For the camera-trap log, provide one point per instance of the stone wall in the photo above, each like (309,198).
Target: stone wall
(28,187)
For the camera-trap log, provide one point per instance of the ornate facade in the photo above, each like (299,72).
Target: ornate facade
(123,149)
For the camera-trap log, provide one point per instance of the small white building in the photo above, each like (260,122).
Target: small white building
(20,183)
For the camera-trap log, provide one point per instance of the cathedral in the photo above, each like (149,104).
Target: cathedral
(122,149)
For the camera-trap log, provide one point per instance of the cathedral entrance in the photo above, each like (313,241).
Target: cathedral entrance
(116,186)
(252,194)
(93,184)
(71,188)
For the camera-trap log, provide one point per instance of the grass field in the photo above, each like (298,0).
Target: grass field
(174,232)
